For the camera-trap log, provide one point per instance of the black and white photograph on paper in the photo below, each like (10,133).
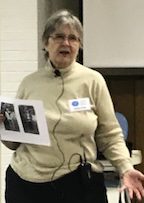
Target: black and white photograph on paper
(10,121)
(28,118)
(24,122)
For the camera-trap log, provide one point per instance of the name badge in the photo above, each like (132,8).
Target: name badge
(81,104)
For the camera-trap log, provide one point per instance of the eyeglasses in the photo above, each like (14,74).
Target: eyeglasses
(59,38)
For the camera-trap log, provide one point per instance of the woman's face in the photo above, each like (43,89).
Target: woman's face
(63,46)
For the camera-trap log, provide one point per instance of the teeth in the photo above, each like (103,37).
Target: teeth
(64,50)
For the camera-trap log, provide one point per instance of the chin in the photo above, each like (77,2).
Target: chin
(63,64)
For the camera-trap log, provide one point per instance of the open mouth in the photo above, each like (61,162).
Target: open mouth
(64,52)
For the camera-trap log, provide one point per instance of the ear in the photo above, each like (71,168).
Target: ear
(46,45)
(46,48)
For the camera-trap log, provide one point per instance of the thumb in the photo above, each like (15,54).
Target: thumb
(122,188)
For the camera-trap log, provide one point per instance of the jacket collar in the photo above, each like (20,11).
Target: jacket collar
(63,71)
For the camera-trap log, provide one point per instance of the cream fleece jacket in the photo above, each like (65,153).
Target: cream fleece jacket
(72,133)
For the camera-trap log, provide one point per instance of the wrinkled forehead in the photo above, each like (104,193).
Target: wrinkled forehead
(71,28)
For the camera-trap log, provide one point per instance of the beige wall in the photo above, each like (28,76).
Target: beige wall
(18,54)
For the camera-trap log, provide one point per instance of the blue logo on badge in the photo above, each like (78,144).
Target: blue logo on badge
(75,103)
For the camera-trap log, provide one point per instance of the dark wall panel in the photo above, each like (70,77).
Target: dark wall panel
(139,118)
(128,97)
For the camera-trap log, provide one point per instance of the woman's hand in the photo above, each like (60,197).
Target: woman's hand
(133,181)
(10,145)
(2,117)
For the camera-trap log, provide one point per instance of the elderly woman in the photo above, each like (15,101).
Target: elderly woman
(80,118)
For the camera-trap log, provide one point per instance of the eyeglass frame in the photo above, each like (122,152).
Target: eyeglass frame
(60,37)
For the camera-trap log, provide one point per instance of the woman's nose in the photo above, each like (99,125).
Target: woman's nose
(66,41)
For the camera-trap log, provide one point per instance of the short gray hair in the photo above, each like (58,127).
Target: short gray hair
(59,18)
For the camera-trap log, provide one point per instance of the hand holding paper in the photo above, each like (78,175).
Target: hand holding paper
(23,121)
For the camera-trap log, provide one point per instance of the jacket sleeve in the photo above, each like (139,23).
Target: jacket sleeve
(109,136)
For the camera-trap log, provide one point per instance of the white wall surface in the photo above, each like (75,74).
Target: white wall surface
(18,54)
(113,33)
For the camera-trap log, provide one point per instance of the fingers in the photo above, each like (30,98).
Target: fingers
(2,117)
(138,194)
(137,190)
(130,192)
(122,188)
(141,190)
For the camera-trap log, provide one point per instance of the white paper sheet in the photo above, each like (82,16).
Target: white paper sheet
(25,121)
